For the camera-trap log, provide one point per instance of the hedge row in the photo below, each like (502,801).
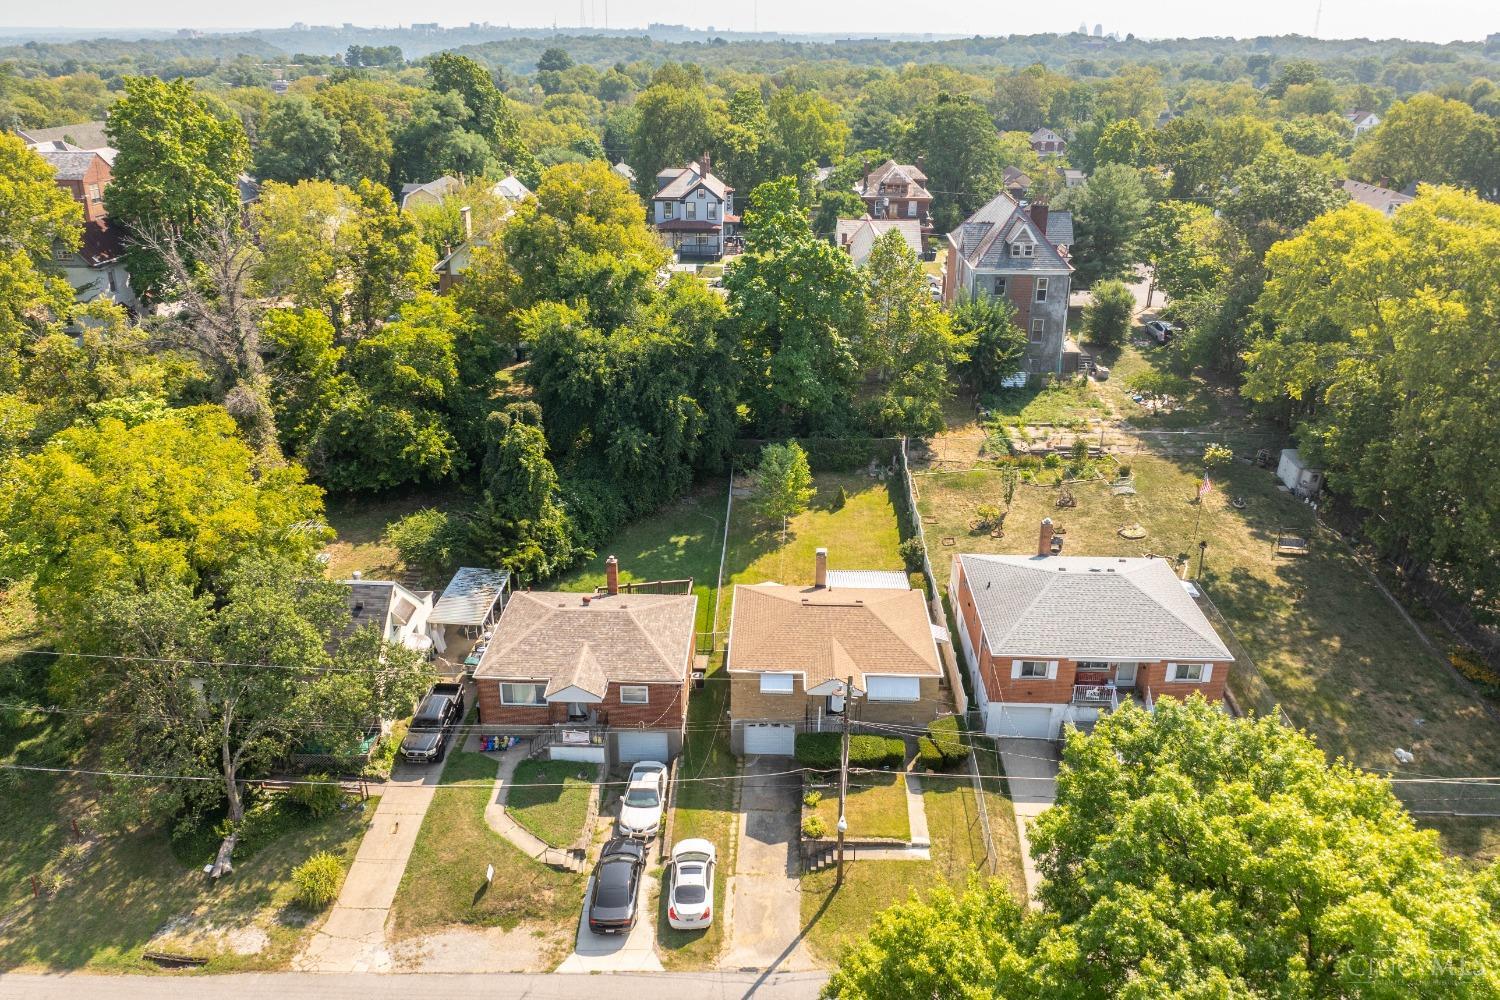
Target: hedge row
(821,750)
(944,747)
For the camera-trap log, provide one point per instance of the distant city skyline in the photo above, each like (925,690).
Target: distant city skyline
(1436,21)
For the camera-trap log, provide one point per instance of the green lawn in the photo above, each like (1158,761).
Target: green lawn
(682,540)
(360,522)
(125,887)
(555,814)
(863,534)
(703,809)
(444,882)
(1067,404)
(1329,646)
(875,807)
(1203,406)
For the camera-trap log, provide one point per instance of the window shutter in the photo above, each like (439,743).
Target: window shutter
(1015,670)
(1208,672)
(1052,670)
(1171,671)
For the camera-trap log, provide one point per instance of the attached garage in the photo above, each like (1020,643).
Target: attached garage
(1034,721)
(644,745)
(770,738)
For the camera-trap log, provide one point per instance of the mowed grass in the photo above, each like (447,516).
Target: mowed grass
(862,534)
(682,540)
(875,807)
(444,882)
(129,886)
(836,916)
(551,798)
(704,809)
(1338,657)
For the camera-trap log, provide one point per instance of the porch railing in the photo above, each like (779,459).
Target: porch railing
(1103,696)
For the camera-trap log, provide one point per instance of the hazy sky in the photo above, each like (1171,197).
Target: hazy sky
(1433,20)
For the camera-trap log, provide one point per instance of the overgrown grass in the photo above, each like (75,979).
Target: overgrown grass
(875,807)
(683,539)
(360,523)
(1070,403)
(444,883)
(551,798)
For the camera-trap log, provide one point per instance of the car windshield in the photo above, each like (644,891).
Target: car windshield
(641,798)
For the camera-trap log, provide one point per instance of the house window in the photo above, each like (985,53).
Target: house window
(1015,249)
(93,192)
(911,210)
(690,211)
(713,211)
(1038,330)
(1028,249)
(776,683)
(999,286)
(523,694)
(1041,289)
(667,209)
(634,694)
(1188,672)
(1032,669)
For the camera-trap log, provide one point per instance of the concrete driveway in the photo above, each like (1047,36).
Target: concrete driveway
(1032,767)
(765,904)
(634,951)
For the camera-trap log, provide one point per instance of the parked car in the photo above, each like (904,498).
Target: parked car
(1161,330)
(617,880)
(645,795)
(442,708)
(690,906)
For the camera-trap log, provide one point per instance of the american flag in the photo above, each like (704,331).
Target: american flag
(1206,488)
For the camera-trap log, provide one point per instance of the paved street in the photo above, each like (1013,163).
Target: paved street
(352,939)
(295,986)
(765,906)
(1027,761)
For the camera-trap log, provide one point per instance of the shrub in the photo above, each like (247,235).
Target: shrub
(427,540)
(813,827)
(912,554)
(812,798)
(1052,461)
(947,738)
(818,750)
(840,499)
(318,800)
(929,757)
(1124,471)
(317,880)
(821,751)
(1106,319)
(384,758)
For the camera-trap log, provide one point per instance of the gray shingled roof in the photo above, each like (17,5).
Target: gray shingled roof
(557,638)
(70,166)
(905,175)
(982,237)
(85,135)
(1088,608)
(687,179)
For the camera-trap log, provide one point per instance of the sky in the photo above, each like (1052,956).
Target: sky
(1433,20)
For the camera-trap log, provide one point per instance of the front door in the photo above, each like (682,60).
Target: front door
(1125,675)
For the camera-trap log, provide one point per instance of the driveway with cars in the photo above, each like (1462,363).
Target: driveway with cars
(765,902)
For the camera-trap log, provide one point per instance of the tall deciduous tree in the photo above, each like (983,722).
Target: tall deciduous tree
(297,142)
(179,156)
(673,126)
(908,346)
(489,114)
(783,483)
(962,156)
(1109,210)
(1106,319)
(993,344)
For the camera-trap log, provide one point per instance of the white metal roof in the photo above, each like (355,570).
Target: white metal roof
(469,596)
(868,579)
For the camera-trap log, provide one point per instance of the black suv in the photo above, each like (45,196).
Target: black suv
(617,881)
(440,711)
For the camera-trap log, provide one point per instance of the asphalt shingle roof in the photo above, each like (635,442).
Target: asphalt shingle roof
(982,237)
(688,178)
(1088,608)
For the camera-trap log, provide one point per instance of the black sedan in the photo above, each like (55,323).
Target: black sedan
(617,880)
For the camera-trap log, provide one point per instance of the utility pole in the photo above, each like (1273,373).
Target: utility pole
(844,773)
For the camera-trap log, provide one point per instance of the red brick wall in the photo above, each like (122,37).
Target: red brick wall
(666,709)
(1020,288)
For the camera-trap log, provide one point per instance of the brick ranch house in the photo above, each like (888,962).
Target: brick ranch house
(792,650)
(1054,640)
(599,677)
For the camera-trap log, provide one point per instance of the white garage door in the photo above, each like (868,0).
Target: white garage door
(768,738)
(643,746)
(1020,720)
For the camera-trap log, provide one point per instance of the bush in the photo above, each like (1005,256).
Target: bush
(840,499)
(384,758)
(912,554)
(812,798)
(318,879)
(1052,461)
(929,757)
(947,738)
(317,800)
(813,827)
(1106,320)
(821,751)
(428,541)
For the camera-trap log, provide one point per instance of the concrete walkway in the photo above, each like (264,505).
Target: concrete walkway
(1032,765)
(494,813)
(764,898)
(352,939)
(916,812)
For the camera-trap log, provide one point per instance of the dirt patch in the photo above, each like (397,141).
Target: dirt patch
(195,935)
(489,949)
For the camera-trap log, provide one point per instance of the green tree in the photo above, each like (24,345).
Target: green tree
(783,483)
(437,140)
(1109,211)
(673,126)
(799,308)
(1107,317)
(1190,854)
(297,143)
(1123,141)
(1432,139)
(1177,242)
(489,114)
(908,346)
(990,339)
(962,156)
(806,129)
(179,157)
(554,60)
(362,115)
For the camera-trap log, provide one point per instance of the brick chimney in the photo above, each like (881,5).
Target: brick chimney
(1044,540)
(1039,216)
(612,575)
(468,217)
(703,162)
(820,568)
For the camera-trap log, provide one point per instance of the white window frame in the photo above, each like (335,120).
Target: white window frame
(1028,249)
(1038,331)
(1015,249)
(1175,673)
(635,694)
(539,688)
(713,211)
(780,683)
(873,684)
(667,209)
(1000,284)
(1023,670)
(690,210)
(1041,289)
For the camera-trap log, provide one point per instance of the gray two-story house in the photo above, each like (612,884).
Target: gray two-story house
(693,211)
(1020,251)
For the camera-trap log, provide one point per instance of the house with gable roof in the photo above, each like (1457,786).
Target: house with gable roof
(897,191)
(97,267)
(1020,251)
(693,211)
(1047,142)
(1362,120)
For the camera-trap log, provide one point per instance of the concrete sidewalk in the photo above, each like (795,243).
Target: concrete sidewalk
(352,939)
(1032,767)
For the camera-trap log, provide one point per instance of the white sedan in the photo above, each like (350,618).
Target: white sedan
(690,907)
(645,795)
